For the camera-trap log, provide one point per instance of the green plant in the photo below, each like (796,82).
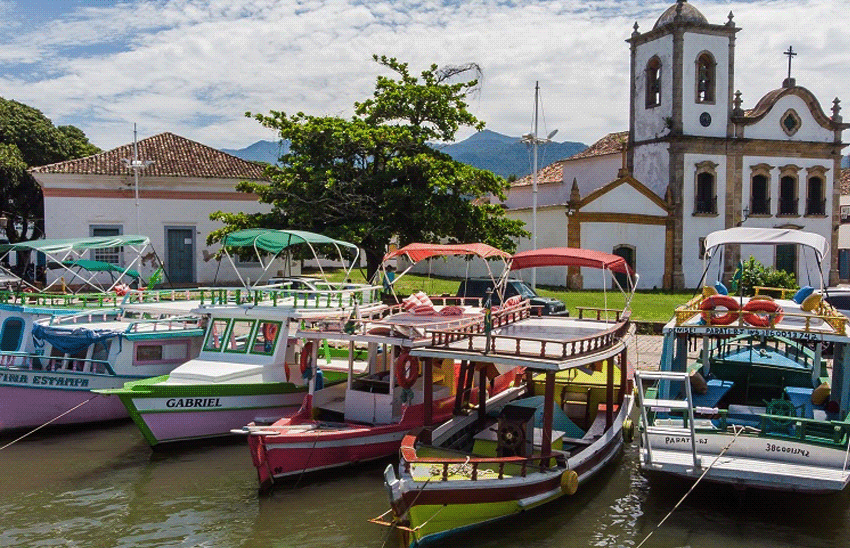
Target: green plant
(753,273)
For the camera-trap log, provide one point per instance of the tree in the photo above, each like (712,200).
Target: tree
(28,139)
(374,176)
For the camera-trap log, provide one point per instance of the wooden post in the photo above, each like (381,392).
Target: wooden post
(548,413)
(624,375)
(429,391)
(609,394)
(461,383)
(482,394)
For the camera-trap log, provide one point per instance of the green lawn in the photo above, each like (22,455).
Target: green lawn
(647,306)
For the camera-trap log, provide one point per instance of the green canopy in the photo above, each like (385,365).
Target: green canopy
(75,244)
(100,266)
(275,241)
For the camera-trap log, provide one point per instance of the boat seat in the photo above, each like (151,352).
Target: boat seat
(801,398)
(716,390)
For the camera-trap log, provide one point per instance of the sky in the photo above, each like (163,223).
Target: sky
(194,67)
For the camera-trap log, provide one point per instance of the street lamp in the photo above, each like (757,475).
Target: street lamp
(532,139)
(135,164)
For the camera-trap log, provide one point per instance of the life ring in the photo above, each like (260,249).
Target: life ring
(305,356)
(121,289)
(751,315)
(711,303)
(406,369)
(270,331)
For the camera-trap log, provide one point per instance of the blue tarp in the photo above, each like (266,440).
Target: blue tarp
(69,341)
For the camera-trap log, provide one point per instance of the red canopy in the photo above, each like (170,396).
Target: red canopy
(417,252)
(569,256)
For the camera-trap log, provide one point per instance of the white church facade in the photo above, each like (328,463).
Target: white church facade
(693,161)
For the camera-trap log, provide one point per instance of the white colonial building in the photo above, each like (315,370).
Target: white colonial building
(693,161)
(181,185)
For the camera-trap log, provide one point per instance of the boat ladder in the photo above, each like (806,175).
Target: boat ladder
(685,405)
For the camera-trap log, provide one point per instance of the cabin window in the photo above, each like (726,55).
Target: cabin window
(216,333)
(815,200)
(705,78)
(653,82)
(788,195)
(100,354)
(239,336)
(265,337)
(176,351)
(13,334)
(107,254)
(760,196)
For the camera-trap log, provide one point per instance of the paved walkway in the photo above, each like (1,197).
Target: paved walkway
(645,351)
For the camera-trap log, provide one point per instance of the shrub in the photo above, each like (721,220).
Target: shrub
(754,273)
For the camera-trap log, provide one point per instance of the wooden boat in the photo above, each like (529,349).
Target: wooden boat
(513,455)
(756,406)
(369,419)
(251,367)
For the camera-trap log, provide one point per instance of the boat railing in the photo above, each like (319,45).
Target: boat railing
(805,321)
(793,351)
(533,347)
(26,361)
(177,323)
(796,428)
(474,468)
(60,300)
(598,312)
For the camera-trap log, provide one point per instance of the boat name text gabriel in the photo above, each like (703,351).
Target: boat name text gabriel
(772,447)
(193,402)
(744,331)
(42,380)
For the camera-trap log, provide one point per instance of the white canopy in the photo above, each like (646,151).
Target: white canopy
(766,236)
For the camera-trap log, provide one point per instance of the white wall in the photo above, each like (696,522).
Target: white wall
(696,227)
(649,122)
(718,46)
(769,127)
(652,167)
(647,240)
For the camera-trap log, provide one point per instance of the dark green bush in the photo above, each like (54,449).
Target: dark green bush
(755,273)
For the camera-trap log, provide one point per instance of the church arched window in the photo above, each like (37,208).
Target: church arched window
(653,82)
(760,190)
(705,78)
(705,191)
(815,191)
(788,198)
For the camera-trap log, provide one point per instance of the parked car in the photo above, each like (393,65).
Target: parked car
(477,288)
(839,298)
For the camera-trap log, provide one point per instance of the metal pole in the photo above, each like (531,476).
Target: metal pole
(136,177)
(534,187)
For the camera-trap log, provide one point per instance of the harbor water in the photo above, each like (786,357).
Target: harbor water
(104,487)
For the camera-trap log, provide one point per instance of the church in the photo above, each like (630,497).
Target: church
(693,161)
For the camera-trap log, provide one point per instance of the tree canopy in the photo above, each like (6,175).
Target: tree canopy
(29,139)
(374,176)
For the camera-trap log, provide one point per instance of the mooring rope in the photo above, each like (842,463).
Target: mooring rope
(681,500)
(37,428)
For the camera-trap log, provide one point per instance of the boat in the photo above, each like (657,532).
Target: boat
(754,406)
(369,419)
(517,453)
(251,367)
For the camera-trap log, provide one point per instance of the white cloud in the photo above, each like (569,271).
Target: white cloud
(195,66)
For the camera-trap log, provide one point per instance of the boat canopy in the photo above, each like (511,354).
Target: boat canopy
(68,254)
(418,251)
(274,242)
(766,236)
(99,266)
(570,256)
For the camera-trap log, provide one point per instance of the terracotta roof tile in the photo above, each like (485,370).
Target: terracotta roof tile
(611,143)
(173,156)
(844,181)
(553,173)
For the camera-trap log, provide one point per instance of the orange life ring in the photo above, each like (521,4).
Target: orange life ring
(406,369)
(711,303)
(270,331)
(751,316)
(305,356)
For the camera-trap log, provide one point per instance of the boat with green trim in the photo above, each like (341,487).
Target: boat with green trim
(512,455)
(744,395)
(252,367)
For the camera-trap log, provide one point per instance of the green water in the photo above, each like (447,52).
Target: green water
(103,487)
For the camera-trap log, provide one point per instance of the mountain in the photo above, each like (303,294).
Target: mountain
(486,149)
(261,151)
(504,155)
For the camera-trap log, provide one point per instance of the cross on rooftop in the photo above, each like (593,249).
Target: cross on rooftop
(790,53)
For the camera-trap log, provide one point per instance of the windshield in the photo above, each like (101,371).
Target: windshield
(519,288)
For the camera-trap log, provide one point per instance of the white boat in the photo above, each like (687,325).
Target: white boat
(512,455)
(756,406)
(251,367)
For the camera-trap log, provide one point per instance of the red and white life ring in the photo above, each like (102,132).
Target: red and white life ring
(121,289)
(305,356)
(769,309)
(406,369)
(722,301)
